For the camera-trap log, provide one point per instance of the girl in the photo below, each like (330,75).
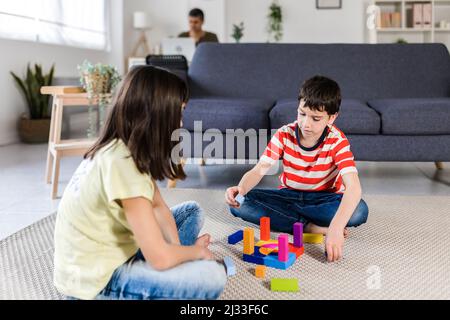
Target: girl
(115,237)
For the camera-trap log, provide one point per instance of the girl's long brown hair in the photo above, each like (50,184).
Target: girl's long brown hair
(146,110)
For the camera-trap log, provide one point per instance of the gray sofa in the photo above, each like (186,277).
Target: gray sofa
(396,97)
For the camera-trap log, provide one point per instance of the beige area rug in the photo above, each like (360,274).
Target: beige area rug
(401,253)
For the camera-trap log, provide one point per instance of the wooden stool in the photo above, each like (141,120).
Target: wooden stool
(57,148)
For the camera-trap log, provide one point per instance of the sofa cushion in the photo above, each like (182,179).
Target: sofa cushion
(226,113)
(415,116)
(355,116)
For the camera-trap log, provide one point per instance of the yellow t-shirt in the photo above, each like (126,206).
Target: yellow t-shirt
(92,235)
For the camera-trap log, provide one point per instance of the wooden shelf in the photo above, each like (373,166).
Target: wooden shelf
(61,90)
(404,29)
(426,35)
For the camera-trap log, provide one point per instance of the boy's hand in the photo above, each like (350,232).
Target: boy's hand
(334,244)
(231,194)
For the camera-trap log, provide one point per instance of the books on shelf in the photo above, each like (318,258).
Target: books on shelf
(419,16)
(390,20)
(426,15)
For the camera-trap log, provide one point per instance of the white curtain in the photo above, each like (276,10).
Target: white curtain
(78,23)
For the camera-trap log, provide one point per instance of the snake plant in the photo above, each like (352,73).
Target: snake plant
(30,86)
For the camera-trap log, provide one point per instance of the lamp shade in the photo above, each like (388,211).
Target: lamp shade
(141,20)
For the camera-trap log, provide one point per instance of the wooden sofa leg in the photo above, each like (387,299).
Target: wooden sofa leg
(202,162)
(173,183)
(439,165)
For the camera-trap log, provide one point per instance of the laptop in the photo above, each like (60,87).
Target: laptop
(183,46)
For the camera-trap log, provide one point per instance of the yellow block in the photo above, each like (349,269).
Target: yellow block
(266,251)
(312,238)
(263,242)
(249,241)
(260,271)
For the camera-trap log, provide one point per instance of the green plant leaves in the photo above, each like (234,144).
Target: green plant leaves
(275,22)
(30,87)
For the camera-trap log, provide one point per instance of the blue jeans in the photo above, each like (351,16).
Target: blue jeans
(287,206)
(201,279)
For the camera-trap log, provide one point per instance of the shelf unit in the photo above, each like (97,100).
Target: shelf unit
(440,10)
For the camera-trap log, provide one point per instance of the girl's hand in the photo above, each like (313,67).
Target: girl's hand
(334,244)
(231,194)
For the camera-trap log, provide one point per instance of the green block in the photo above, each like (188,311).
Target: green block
(278,284)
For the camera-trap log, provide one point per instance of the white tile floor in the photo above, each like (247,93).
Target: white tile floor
(25,198)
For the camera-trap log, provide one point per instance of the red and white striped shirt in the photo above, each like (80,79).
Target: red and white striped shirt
(319,168)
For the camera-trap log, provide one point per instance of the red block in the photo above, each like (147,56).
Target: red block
(297,250)
(264,228)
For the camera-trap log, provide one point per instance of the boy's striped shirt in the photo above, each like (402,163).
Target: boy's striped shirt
(319,168)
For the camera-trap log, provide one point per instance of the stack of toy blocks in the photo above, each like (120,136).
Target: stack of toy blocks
(279,254)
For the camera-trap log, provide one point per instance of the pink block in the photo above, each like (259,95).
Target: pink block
(270,245)
(298,234)
(283,247)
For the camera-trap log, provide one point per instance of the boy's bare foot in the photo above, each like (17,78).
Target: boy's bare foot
(312,228)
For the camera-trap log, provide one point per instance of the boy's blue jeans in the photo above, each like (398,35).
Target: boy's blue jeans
(287,206)
(201,279)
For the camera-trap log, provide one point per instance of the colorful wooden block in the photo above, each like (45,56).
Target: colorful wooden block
(265,251)
(236,237)
(253,259)
(264,228)
(283,247)
(249,241)
(240,199)
(260,271)
(298,234)
(298,251)
(313,238)
(229,266)
(279,284)
(273,248)
(260,243)
(272,261)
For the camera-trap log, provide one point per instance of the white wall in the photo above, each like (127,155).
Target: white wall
(169,18)
(302,22)
(16,55)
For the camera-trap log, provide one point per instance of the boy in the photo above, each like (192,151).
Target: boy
(319,182)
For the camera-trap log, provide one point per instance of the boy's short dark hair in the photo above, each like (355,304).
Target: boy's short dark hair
(197,13)
(321,94)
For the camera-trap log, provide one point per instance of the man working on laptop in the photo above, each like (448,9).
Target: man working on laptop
(196,19)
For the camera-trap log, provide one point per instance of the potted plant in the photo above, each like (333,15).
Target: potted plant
(238,32)
(99,81)
(401,41)
(275,22)
(34,127)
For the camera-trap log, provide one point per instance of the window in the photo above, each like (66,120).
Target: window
(78,23)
